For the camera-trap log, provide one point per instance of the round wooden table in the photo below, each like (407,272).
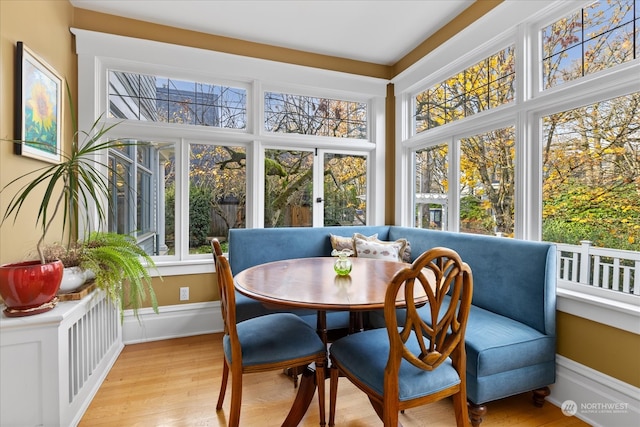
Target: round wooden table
(312,283)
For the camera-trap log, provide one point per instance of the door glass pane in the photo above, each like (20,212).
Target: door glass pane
(345,189)
(487,183)
(431,201)
(288,188)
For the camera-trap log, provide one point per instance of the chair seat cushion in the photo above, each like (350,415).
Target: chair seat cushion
(365,355)
(274,338)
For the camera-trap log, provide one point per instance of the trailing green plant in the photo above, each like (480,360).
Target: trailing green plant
(121,269)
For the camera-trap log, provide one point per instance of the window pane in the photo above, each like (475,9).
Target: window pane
(165,204)
(148,211)
(487,183)
(591,181)
(120,184)
(598,54)
(287,113)
(432,184)
(145,223)
(598,37)
(288,188)
(345,189)
(217,193)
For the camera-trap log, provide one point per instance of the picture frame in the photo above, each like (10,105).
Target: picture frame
(38,107)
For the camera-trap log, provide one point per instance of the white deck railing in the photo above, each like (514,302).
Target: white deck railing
(612,269)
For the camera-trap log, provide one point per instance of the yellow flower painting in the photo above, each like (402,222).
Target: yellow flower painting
(40,105)
(40,123)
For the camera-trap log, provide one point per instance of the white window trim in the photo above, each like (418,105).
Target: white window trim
(99,51)
(519,21)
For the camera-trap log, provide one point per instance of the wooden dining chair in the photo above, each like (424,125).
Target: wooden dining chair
(266,343)
(412,362)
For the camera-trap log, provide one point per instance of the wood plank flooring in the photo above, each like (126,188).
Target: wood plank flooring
(175,383)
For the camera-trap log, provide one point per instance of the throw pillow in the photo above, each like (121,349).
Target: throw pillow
(373,248)
(406,256)
(403,246)
(339,243)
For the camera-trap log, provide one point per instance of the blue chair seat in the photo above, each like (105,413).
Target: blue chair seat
(294,339)
(365,355)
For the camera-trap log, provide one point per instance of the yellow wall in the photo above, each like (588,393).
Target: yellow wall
(600,347)
(44,26)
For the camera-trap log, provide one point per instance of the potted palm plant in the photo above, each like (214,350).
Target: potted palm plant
(74,185)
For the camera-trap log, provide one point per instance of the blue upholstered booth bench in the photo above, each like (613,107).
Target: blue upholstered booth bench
(511,333)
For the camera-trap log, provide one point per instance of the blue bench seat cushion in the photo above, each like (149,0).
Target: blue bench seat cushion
(494,343)
(365,355)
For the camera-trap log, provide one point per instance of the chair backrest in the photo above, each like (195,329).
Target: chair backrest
(216,248)
(226,290)
(448,282)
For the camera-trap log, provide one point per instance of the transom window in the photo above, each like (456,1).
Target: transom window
(161,99)
(307,115)
(597,37)
(487,84)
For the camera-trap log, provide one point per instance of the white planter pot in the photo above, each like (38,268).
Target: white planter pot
(72,279)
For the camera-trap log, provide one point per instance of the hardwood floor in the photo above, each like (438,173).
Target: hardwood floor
(176,382)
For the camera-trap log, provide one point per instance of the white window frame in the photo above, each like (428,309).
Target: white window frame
(519,22)
(99,52)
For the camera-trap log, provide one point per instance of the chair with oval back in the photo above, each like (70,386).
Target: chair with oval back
(412,362)
(265,343)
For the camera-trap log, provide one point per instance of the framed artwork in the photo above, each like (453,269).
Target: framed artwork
(38,107)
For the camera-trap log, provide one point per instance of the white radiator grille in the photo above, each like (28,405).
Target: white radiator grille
(90,339)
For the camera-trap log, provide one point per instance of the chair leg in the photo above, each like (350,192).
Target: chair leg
(460,409)
(390,417)
(320,379)
(223,384)
(236,399)
(333,394)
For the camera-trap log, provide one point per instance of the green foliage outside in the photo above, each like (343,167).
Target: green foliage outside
(609,218)
(199,216)
(473,217)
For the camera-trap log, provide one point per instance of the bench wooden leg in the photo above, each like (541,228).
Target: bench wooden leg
(476,412)
(539,396)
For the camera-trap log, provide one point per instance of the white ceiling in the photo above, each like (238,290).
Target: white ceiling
(377,31)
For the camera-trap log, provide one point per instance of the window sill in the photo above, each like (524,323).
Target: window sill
(182,268)
(600,305)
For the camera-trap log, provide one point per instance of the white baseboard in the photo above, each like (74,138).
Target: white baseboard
(594,397)
(600,400)
(173,321)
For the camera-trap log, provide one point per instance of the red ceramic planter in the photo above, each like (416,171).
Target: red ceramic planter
(30,287)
